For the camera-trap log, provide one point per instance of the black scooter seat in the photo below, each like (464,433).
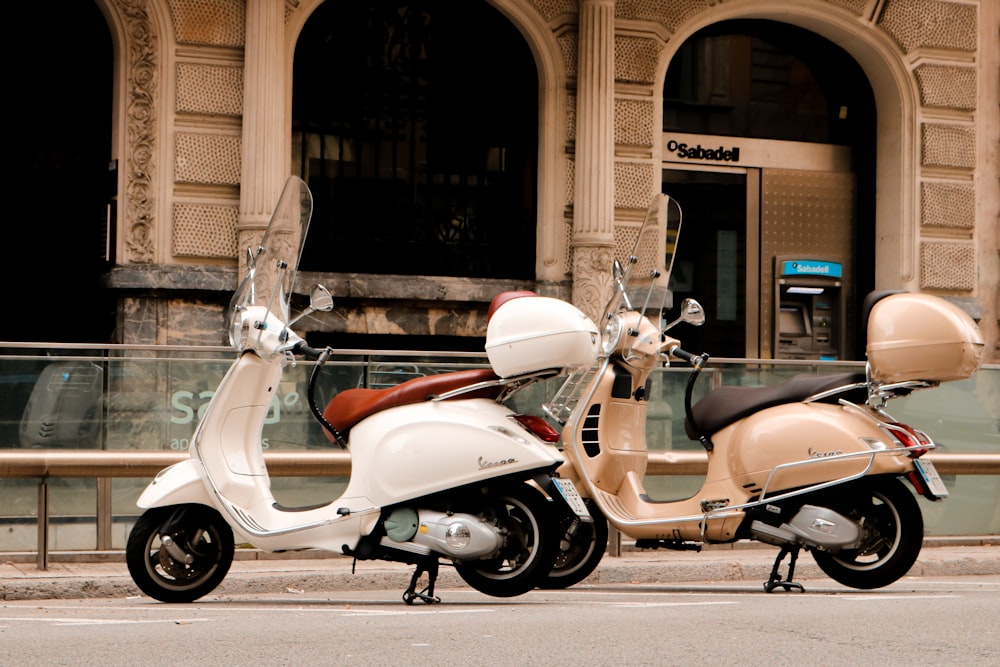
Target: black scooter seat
(726,405)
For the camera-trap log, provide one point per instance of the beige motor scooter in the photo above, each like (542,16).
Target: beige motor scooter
(815,463)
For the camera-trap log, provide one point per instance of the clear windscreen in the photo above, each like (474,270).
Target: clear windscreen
(271,267)
(640,283)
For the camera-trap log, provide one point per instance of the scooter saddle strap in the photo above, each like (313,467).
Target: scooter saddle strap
(350,406)
(726,405)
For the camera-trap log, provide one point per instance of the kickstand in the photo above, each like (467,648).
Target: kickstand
(775,580)
(430,566)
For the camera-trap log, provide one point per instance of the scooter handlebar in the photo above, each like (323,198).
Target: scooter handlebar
(696,360)
(310,353)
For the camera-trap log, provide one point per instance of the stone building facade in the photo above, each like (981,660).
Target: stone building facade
(202,142)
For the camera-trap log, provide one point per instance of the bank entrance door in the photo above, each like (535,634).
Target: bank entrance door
(748,207)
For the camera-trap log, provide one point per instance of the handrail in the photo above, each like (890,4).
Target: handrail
(104,465)
(42,463)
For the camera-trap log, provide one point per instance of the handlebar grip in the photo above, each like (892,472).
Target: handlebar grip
(310,353)
(696,360)
(682,354)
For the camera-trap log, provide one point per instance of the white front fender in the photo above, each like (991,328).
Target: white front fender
(180,483)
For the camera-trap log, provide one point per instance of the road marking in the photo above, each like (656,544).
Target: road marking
(406,612)
(671,604)
(929,596)
(98,621)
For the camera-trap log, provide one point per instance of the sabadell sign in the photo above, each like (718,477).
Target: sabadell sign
(700,153)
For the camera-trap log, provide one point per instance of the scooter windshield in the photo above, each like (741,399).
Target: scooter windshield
(641,280)
(640,283)
(271,267)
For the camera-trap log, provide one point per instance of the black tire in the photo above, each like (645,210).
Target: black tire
(578,558)
(196,530)
(523,513)
(893,533)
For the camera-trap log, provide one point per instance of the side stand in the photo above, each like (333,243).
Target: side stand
(430,566)
(775,579)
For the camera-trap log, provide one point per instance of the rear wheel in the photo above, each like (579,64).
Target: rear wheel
(179,553)
(521,513)
(892,535)
(580,554)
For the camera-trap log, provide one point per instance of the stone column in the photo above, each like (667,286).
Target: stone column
(592,243)
(265,150)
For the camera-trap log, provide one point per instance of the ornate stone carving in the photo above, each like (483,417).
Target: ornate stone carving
(140,119)
(592,279)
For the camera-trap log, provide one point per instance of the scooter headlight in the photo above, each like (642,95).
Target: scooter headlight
(612,334)
(239,328)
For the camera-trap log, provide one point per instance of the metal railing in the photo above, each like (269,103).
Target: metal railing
(156,386)
(106,465)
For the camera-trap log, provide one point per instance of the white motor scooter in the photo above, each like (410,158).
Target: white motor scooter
(441,470)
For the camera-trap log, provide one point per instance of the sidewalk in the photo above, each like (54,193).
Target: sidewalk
(105,575)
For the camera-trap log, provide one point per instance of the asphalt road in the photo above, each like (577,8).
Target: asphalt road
(917,621)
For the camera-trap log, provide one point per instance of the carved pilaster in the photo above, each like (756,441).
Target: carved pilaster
(140,125)
(265,146)
(593,202)
(592,279)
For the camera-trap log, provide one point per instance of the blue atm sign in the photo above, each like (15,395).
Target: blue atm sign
(811,267)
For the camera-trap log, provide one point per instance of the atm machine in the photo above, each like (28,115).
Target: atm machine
(809,309)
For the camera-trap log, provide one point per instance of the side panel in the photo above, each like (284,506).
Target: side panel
(414,450)
(799,444)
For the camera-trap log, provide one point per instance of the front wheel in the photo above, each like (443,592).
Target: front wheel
(521,513)
(581,549)
(179,553)
(892,534)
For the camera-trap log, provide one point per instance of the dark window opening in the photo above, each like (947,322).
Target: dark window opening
(415,126)
(56,171)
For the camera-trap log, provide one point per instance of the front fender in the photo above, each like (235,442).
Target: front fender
(180,483)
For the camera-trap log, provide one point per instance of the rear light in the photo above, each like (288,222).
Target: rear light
(541,428)
(913,439)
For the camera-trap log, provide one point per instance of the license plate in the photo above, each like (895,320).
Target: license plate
(568,491)
(931,478)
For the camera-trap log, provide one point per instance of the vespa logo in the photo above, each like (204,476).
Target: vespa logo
(484,463)
(813,454)
(719,154)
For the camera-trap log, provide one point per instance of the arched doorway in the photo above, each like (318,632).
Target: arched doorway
(803,112)
(57,172)
(415,125)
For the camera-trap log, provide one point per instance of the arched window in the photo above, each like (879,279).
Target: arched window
(415,125)
(767,80)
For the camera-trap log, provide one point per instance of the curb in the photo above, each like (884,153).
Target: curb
(264,573)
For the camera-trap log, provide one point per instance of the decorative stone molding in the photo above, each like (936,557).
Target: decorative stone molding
(947,266)
(634,181)
(948,145)
(209,22)
(205,230)
(637,59)
(634,123)
(670,13)
(139,62)
(947,86)
(930,24)
(592,279)
(951,205)
(550,9)
(209,89)
(206,158)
